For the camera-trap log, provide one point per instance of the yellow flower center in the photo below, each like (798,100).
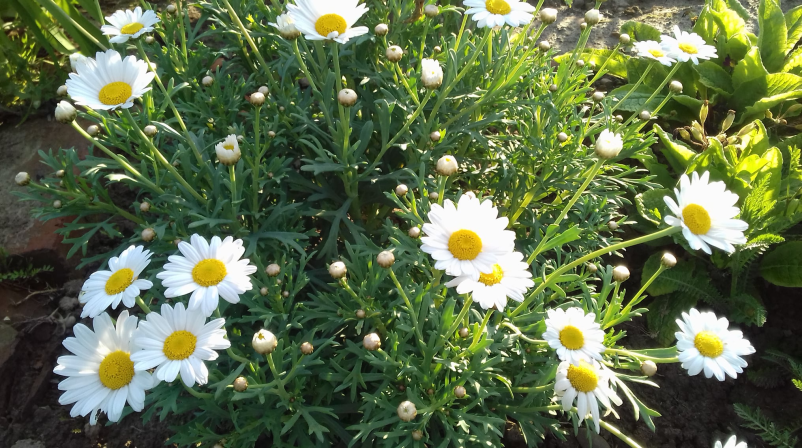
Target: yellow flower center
(492,278)
(329,23)
(114,93)
(119,281)
(688,48)
(228,146)
(209,272)
(116,370)
(708,344)
(656,53)
(696,218)
(583,377)
(498,7)
(464,244)
(572,338)
(179,345)
(131,28)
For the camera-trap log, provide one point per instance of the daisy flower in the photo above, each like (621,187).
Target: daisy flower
(587,383)
(328,19)
(121,283)
(101,375)
(208,271)
(705,343)
(228,152)
(491,13)
(574,335)
(178,341)
(286,26)
(705,211)
(431,73)
(467,239)
(732,442)
(685,46)
(109,82)
(510,278)
(653,50)
(129,24)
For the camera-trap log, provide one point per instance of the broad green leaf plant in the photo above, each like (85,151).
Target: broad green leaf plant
(376,224)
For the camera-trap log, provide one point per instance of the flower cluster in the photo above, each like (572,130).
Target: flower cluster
(682,47)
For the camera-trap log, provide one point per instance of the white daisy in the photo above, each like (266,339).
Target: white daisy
(491,13)
(177,341)
(286,26)
(510,278)
(431,73)
(706,343)
(328,19)
(589,384)
(574,335)
(208,271)
(685,46)
(109,82)
(653,50)
(705,211)
(228,152)
(121,283)
(129,24)
(102,376)
(732,442)
(467,240)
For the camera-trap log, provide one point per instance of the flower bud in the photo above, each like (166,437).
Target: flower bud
(171,8)
(437,49)
(385,259)
(675,87)
(150,130)
(580,63)
(648,368)
(592,65)
(22,179)
(624,39)
(61,91)
(57,204)
(281,109)
(307,348)
(417,435)
(372,342)
(285,294)
(619,118)
(271,134)
(464,332)
(544,45)
(414,232)
(608,145)
(93,130)
(257,99)
(263,90)
(431,74)
(645,115)
(207,81)
(431,11)
(264,342)
(144,207)
(597,97)
(592,268)
(401,190)
(612,225)
(149,40)
(460,392)
(668,260)
(728,121)
(583,26)
(337,269)
(347,97)
(65,112)
(263,291)
(394,53)
(60,174)
(548,15)
(593,17)
(620,274)
(272,270)
(381,30)
(447,165)
(240,384)
(360,314)
(407,411)
(435,136)
(148,234)
(562,137)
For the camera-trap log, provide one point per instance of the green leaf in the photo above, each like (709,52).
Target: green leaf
(679,156)
(616,66)
(773,37)
(793,60)
(773,167)
(783,265)
(749,68)
(714,77)
(651,205)
(637,100)
(640,31)
(793,22)
(763,93)
(736,6)
(664,312)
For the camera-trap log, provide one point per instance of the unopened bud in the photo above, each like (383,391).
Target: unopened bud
(57,204)
(464,332)
(360,314)
(435,136)
(431,11)
(612,225)
(307,348)
(544,45)
(60,174)
(593,17)
(150,130)
(240,384)
(381,29)
(620,274)
(562,137)
(592,268)
(648,368)
(93,130)
(645,115)
(624,39)
(337,270)
(728,121)
(394,53)
(272,270)
(548,15)
(257,98)
(460,392)
(22,179)
(597,97)
(447,166)
(583,26)
(433,196)
(372,342)
(417,435)
(171,8)
(271,134)
(264,342)
(347,97)
(580,63)
(144,207)
(263,291)
(401,190)
(675,87)
(668,260)
(65,112)
(61,91)
(414,232)
(385,259)
(207,81)
(263,90)
(285,294)
(437,49)
(149,40)
(148,234)
(407,411)
(619,118)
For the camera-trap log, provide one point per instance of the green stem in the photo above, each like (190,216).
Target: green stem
(600,71)
(412,310)
(477,335)
(603,251)
(522,336)
(142,305)
(62,16)
(283,392)
(232,173)
(641,357)
(403,77)
(634,88)
(528,390)
(245,33)
(196,394)
(180,16)
(655,92)
(625,438)
(256,164)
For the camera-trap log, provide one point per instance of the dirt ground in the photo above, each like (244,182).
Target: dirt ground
(696,411)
